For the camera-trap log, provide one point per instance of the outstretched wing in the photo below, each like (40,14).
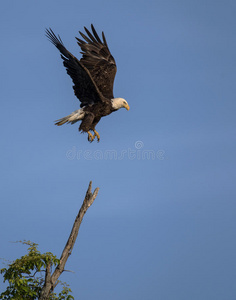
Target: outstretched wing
(84,86)
(98,61)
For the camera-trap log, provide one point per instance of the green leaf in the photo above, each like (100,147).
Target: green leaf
(24,277)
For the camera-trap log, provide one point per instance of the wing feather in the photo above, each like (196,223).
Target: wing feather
(85,37)
(104,40)
(90,35)
(84,86)
(95,34)
(96,57)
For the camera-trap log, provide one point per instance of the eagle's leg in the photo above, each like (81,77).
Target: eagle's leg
(96,134)
(90,136)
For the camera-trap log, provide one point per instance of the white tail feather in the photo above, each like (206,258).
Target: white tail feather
(72,118)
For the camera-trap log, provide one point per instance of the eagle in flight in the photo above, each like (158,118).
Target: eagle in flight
(93,77)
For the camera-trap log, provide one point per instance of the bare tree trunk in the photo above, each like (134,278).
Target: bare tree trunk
(51,280)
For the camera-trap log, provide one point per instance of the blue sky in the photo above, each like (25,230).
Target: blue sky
(160,228)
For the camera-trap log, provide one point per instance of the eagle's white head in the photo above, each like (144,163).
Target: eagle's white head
(118,103)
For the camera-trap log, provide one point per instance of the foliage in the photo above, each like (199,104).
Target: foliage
(26,276)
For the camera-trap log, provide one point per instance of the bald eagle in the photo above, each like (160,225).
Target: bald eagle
(93,77)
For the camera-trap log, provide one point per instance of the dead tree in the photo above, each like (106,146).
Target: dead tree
(52,280)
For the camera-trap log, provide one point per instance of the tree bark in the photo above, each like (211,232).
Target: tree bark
(51,280)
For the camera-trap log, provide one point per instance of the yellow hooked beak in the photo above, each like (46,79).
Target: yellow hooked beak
(126,106)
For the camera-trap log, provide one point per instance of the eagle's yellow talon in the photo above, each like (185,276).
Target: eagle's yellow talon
(90,137)
(96,134)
